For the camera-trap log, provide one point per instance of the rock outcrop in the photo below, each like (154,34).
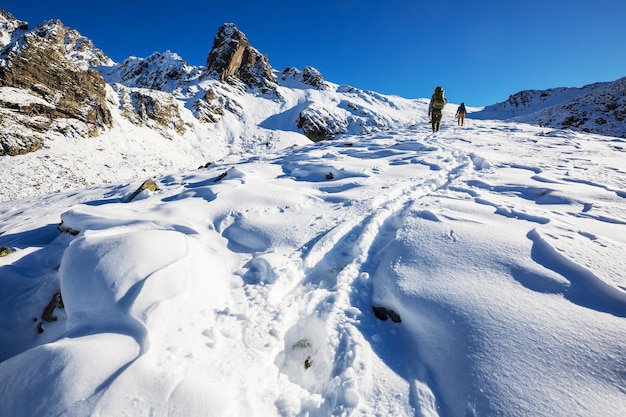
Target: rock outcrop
(6,251)
(309,77)
(155,109)
(51,64)
(232,56)
(319,123)
(209,108)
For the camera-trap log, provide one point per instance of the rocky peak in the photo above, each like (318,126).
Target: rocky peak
(160,71)
(78,49)
(51,63)
(233,56)
(309,76)
(8,26)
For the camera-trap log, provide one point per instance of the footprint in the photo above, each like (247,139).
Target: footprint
(211,337)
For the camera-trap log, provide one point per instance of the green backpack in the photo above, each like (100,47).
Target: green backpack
(439,101)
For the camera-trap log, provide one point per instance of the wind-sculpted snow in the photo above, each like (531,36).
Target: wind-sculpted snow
(473,272)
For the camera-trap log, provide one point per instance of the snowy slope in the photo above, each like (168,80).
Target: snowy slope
(153,100)
(133,149)
(495,251)
(597,108)
(254,124)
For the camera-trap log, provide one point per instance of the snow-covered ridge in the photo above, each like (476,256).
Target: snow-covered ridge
(166,72)
(204,116)
(205,113)
(595,108)
(9,27)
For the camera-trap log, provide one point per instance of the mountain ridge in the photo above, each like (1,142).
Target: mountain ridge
(235,104)
(594,108)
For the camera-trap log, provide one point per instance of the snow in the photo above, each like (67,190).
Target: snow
(134,149)
(499,246)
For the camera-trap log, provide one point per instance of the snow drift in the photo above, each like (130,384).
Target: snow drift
(477,271)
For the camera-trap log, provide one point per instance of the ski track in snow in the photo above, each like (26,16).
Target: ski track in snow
(306,314)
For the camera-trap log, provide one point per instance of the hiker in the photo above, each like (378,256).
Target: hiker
(435,107)
(460,114)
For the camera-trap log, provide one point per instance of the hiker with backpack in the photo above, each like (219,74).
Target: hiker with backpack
(435,108)
(460,114)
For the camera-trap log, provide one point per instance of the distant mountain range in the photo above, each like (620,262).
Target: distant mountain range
(58,89)
(596,108)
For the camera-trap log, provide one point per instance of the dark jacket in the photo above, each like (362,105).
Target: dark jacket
(432,100)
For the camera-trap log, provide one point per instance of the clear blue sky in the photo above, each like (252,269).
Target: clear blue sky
(479,51)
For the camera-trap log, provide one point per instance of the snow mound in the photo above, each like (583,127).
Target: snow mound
(474,271)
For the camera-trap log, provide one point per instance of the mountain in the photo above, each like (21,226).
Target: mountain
(185,242)
(595,108)
(65,99)
(48,86)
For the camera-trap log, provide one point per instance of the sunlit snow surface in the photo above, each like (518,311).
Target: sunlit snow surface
(500,246)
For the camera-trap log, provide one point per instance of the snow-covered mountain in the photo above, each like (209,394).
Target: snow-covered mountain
(65,99)
(63,103)
(596,108)
(477,271)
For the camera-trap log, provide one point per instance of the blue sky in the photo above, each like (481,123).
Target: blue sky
(479,51)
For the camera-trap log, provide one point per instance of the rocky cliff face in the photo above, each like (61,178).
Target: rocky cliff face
(232,56)
(154,109)
(51,65)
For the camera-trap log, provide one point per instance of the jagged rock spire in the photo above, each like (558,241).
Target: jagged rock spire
(232,56)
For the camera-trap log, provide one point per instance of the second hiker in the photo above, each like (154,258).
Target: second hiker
(460,114)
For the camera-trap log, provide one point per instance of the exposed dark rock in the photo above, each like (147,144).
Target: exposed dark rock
(64,229)
(143,107)
(14,143)
(5,250)
(55,302)
(51,63)
(48,312)
(318,123)
(210,95)
(313,77)
(232,56)
(383,313)
(221,176)
(208,111)
(148,184)
(309,76)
